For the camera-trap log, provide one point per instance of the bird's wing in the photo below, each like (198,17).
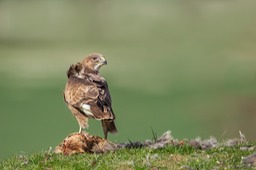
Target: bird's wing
(104,102)
(83,94)
(79,90)
(104,99)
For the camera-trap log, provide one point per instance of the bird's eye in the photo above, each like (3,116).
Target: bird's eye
(94,58)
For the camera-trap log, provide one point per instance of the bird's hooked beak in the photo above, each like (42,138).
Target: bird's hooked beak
(104,61)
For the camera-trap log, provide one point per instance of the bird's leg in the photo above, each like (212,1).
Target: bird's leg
(80,129)
(105,128)
(106,135)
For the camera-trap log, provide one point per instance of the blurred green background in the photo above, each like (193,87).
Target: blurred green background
(184,66)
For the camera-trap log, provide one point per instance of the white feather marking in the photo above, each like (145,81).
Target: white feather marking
(80,76)
(87,109)
(97,67)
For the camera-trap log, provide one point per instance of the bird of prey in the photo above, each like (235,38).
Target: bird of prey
(86,93)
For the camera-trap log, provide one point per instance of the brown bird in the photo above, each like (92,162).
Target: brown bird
(87,95)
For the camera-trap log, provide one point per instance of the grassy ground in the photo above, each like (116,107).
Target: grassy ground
(170,157)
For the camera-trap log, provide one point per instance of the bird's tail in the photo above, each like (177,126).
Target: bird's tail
(108,125)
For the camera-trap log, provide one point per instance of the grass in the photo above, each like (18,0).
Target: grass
(169,157)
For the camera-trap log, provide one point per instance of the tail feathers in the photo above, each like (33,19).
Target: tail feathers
(108,125)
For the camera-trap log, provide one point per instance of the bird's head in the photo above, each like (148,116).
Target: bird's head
(94,61)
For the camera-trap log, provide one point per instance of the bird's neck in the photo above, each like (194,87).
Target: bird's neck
(88,70)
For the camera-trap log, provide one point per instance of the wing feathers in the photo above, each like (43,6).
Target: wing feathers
(89,97)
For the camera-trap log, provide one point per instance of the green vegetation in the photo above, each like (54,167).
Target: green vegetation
(170,157)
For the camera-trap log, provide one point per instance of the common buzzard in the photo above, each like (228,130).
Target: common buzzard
(87,95)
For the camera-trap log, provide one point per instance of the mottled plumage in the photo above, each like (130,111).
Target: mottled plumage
(87,95)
